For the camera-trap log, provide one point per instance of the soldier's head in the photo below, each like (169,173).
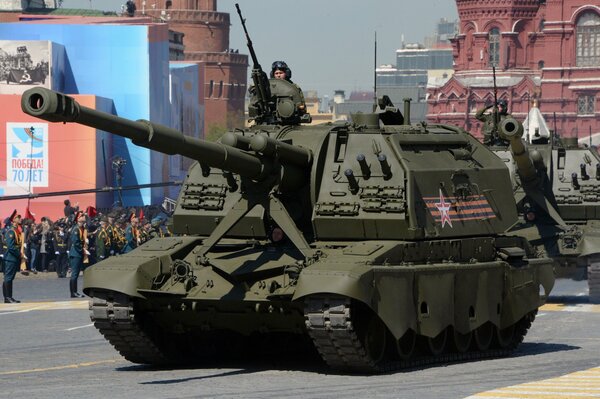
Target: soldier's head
(133,219)
(80,218)
(15,218)
(104,221)
(502,107)
(156,222)
(280,70)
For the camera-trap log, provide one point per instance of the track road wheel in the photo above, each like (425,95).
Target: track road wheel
(375,339)
(437,344)
(461,342)
(593,273)
(482,338)
(505,336)
(405,346)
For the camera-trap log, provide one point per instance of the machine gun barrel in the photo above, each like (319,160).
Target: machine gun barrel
(259,77)
(56,107)
(512,130)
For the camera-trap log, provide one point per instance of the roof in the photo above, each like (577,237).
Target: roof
(354,107)
(488,81)
(70,11)
(361,96)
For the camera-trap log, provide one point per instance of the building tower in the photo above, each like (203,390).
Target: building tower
(542,49)
(206,40)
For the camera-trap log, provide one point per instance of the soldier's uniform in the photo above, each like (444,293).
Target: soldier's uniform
(2,248)
(117,238)
(103,242)
(489,125)
(76,254)
(13,239)
(296,96)
(132,236)
(60,250)
(158,229)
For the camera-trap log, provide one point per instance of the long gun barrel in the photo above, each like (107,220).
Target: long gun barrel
(56,107)
(512,130)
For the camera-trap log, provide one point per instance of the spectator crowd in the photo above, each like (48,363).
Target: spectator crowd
(80,237)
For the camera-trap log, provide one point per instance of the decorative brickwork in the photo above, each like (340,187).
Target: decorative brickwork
(206,40)
(548,50)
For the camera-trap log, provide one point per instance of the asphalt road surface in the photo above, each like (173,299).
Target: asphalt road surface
(49,349)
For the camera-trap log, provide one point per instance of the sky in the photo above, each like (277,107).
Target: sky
(328,44)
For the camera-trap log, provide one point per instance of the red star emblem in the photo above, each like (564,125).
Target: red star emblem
(444,208)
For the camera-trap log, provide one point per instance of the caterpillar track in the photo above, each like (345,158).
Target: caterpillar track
(112,314)
(593,274)
(337,337)
(331,323)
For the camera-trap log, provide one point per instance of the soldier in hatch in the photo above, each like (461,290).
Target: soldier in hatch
(490,126)
(280,70)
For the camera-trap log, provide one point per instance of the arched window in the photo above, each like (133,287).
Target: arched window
(494,47)
(588,39)
(211,88)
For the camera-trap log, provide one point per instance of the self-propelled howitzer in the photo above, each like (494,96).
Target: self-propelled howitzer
(372,239)
(558,198)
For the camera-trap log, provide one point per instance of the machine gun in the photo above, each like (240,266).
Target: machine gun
(273,101)
(260,79)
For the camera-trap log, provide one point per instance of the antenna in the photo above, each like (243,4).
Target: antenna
(375,75)
(495,109)
(554,133)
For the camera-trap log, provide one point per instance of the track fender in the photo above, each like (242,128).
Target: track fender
(355,282)
(136,270)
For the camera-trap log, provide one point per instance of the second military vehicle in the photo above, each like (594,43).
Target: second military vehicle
(556,183)
(378,242)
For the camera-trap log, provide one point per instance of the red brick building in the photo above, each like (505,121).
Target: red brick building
(206,41)
(544,49)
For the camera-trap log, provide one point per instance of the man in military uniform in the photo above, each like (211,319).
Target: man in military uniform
(116,234)
(13,239)
(2,244)
(144,231)
(280,70)
(156,228)
(132,236)
(76,253)
(103,242)
(490,125)
(60,250)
